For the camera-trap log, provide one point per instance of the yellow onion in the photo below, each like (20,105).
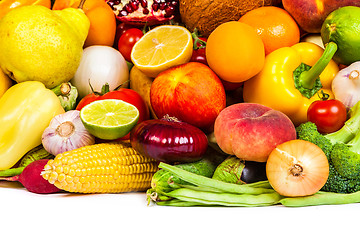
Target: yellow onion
(297,168)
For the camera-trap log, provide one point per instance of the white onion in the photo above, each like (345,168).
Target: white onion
(100,65)
(314,38)
(346,85)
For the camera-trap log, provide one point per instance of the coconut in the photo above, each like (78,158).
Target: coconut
(206,15)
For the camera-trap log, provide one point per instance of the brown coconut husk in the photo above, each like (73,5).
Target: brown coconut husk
(206,15)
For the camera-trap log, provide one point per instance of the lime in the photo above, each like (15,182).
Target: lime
(342,26)
(109,118)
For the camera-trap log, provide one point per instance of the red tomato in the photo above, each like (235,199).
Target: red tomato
(198,54)
(120,29)
(328,115)
(125,94)
(87,99)
(127,41)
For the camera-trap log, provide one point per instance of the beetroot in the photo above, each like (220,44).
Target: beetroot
(32,180)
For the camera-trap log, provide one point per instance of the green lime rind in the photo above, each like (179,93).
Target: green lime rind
(109,119)
(342,26)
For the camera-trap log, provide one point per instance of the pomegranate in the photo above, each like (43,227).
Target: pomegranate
(141,12)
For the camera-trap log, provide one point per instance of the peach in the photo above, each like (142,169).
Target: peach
(251,131)
(310,14)
(191,92)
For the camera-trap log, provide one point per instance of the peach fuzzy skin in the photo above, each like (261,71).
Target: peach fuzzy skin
(191,92)
(310,14)
(251,131)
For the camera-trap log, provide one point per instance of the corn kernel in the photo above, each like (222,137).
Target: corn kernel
(101,168)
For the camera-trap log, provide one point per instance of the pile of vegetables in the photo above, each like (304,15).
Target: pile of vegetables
(175,185)
(186,167)
(203,191)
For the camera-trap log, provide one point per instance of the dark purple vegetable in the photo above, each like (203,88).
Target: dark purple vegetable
(235,170)
(254,172)
(169,140)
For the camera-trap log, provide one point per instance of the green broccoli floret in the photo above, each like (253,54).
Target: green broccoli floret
(308,132)
(346,158)
(337,183)
(339,147)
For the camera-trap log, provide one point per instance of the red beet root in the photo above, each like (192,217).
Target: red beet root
(32,180)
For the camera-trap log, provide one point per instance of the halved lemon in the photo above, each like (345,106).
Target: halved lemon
(109,118)
(162,47)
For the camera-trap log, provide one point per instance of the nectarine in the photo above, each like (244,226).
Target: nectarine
(191,92)
(251,131)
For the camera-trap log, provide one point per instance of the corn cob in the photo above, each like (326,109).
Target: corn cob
(101,168)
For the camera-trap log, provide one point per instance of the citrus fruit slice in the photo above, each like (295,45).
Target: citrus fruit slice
(162,47)
(109,118)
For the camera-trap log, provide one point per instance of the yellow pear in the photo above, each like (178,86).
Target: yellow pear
(141,83)
(5,83)
(39,44)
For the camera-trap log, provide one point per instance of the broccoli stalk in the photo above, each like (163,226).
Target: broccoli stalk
(345,138)
(346,157)
(350,128)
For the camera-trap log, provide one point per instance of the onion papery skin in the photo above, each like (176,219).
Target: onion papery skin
(168,140)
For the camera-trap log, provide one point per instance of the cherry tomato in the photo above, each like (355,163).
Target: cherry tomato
(328,115)
(125,94)
(120,29)
(127,41)
(199,50)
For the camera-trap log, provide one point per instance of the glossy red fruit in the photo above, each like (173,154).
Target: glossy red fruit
(127,41)
(328,115)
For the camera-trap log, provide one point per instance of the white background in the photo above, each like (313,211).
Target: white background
(26,215)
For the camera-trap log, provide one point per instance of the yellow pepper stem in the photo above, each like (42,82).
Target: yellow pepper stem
(307,78)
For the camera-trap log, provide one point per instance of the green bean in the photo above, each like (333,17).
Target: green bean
(177,186)
(225,199)
(178,203)
(202,181)
(322,198)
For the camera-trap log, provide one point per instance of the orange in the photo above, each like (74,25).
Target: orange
(102,20)
(235,52)
(161,48)
(8,5)
(274,25)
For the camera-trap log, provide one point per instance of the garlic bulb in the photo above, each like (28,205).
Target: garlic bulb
(66,132)
(346,85)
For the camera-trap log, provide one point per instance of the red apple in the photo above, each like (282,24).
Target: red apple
(251,131)
(191,92)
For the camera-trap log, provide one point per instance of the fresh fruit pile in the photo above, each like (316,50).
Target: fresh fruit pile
(192,103)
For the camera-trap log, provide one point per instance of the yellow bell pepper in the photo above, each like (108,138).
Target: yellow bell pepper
(26,109)
(275,86)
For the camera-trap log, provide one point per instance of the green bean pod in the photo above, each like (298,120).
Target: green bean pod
(225,199)
(322,198)
(206,182)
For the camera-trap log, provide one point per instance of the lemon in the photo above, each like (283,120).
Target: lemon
(109,118)
(162,47)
